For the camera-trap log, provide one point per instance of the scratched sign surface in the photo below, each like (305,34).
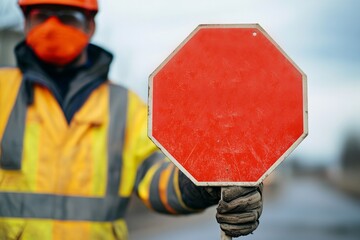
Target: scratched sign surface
(228,105)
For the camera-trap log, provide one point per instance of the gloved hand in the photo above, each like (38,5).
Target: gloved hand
(237,213)
(239,210)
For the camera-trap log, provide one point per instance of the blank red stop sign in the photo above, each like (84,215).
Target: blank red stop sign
(228,105)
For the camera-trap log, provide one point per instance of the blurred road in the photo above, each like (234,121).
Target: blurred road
(298,209)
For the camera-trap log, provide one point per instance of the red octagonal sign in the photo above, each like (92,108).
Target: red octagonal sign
(228,105)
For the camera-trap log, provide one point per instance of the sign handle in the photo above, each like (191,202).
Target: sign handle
(223,235)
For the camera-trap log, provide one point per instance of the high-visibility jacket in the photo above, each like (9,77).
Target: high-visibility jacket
(74,181)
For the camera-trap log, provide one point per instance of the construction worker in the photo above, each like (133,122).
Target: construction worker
(74,146)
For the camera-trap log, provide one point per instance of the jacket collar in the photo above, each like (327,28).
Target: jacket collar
(85,79)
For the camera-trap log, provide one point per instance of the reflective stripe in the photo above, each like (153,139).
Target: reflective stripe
(99,158)
(30,157)
(146,165)
(23,205)
(175,199)
(155,199)
(144,185)
(164,185)
(12,141)
(118,105)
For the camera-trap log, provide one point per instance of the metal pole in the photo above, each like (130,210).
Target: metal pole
(224,236)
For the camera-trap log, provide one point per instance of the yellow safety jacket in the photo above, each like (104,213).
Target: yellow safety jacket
(74,181)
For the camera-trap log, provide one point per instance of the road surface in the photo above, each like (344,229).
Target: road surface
(300,209)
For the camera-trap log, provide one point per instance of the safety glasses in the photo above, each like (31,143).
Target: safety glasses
(68,17)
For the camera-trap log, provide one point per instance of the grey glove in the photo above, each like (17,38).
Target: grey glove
(239,210)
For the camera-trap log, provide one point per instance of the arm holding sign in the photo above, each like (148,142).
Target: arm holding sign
(238,211)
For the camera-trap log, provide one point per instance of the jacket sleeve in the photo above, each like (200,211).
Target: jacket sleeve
(159,183)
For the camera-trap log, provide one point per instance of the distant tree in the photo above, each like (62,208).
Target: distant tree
(350,156)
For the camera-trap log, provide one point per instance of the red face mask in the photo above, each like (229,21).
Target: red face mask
(56,43)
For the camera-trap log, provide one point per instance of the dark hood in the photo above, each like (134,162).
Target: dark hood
(72,85)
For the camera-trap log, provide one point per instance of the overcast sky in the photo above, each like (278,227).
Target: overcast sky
(321,36)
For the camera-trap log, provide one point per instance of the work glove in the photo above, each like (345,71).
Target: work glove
(239,210)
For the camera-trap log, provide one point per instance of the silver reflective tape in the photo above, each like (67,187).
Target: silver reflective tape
(45,206)
(12,141)
(116,134)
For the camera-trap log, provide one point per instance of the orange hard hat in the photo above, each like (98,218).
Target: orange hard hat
(90,5)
